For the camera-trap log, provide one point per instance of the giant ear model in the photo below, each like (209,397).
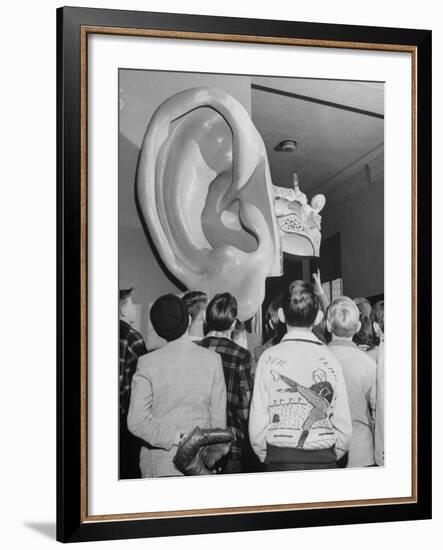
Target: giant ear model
(205,192)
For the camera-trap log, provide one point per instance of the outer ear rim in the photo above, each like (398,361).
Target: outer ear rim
(281,315)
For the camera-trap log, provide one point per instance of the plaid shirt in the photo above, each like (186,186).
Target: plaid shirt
(132,347)
(237,363)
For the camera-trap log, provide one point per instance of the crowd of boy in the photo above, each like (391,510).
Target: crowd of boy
(296,403)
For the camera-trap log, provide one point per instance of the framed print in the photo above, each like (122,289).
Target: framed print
(237,201)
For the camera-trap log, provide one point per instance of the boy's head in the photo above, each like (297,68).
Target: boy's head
(196,302)
(271,315)
(343,317)
(365,334)
(221,312)
(127,307)
(364,306)
(378,318)
(169,317)
(300,306)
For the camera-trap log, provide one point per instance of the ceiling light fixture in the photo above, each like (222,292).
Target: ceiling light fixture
(286,146)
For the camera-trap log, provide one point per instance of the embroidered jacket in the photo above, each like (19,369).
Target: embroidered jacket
(299,399)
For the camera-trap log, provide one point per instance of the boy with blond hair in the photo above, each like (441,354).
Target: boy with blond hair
(359,374)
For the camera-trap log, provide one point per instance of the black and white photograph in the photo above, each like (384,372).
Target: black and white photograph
(250,274)
(206,206)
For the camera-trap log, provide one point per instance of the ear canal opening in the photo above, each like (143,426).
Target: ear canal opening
(231,219)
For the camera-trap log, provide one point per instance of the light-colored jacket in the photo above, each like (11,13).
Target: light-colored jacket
(359,373)
(299,399)
(380,408)
(175,388)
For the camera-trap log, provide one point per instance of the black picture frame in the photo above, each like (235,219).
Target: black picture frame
(72,524)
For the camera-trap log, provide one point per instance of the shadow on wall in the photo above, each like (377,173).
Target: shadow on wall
(48,530)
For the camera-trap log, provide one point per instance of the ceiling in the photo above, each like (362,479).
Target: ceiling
(338,125)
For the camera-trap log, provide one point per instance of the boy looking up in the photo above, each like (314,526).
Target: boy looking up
(359,372)
(221,316)
(175,389)
(299,418)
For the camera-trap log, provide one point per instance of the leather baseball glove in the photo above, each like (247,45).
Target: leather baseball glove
(201,449)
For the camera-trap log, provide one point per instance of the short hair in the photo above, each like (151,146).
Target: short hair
(344,317)
(271,314)
(300,304)
(124,295)
(364,306)
(196,302)
(378,314)
(365,336)
(274,329)
(221,312)
(169,317)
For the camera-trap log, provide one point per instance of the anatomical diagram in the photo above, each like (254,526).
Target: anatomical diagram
(205,192)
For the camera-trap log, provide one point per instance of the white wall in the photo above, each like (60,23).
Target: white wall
(358,215)
(27,219)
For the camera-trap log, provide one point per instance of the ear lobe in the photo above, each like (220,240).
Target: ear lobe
(358,326)
(328,326)
(281,315)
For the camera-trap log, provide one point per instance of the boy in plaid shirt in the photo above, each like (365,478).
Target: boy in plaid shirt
(221,315)
(132,346)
